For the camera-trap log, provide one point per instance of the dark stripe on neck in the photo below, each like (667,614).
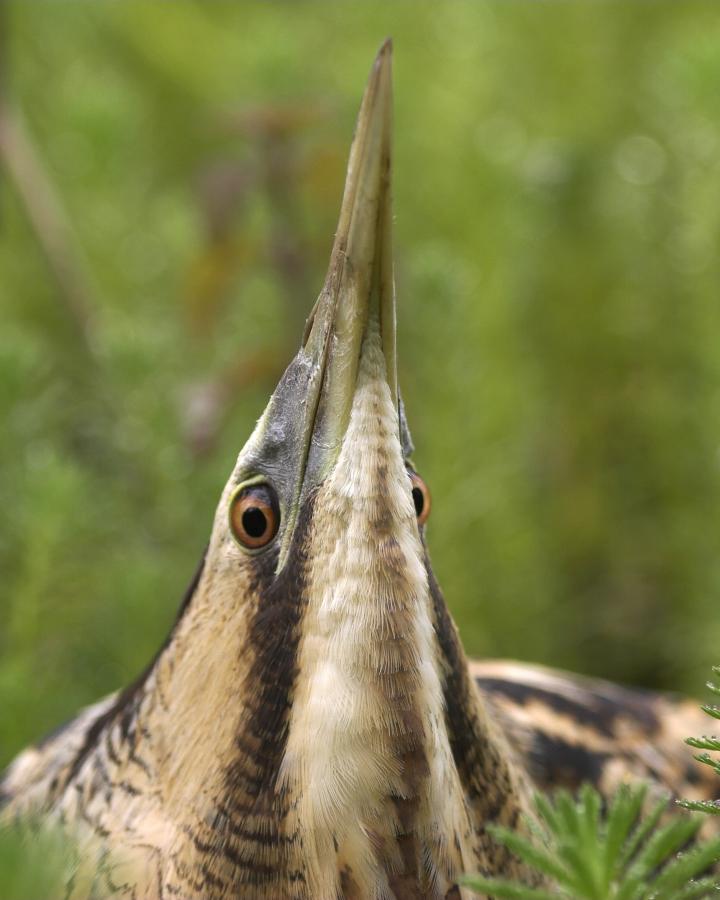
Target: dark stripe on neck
(461,726)
(273,640)
(484,767)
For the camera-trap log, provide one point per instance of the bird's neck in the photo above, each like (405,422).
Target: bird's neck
(393,765)
(380,767)
(330,741)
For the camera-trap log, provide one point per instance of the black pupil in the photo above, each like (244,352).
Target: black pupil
(418,500)
(255,522)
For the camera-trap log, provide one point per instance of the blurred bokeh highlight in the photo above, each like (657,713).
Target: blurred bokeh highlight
(171,176)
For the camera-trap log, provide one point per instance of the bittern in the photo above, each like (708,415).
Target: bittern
(312,727)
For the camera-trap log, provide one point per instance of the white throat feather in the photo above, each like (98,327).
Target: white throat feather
(368,757)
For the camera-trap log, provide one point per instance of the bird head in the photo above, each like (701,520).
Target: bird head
(298,442)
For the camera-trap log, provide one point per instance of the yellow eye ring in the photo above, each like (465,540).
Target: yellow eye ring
(254,515)
(421,498)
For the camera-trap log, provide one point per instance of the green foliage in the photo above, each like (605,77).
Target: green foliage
(34,864)
(709,744)
(619,855)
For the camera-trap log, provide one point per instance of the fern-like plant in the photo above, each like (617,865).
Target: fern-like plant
(708,744)
(33,864)
(620,855)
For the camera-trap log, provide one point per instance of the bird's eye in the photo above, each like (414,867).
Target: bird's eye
(254,515)
(421,498)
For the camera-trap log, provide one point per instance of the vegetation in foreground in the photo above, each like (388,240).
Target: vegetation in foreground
(621,854)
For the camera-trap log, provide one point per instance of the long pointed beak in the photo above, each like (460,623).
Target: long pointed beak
(300,435)
(359,283)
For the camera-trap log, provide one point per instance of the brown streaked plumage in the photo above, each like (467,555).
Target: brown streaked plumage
(312,730)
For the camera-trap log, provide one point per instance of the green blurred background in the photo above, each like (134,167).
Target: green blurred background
(171,174)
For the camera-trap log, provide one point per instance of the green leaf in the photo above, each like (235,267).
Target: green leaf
(708,760)
(547,813)
(621,855)
(711,807)
(663,841)
(528,852)
(642,830)
(624,809)
(509,890)
(686,866)
(705,887)
(704,743)
(34,863)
